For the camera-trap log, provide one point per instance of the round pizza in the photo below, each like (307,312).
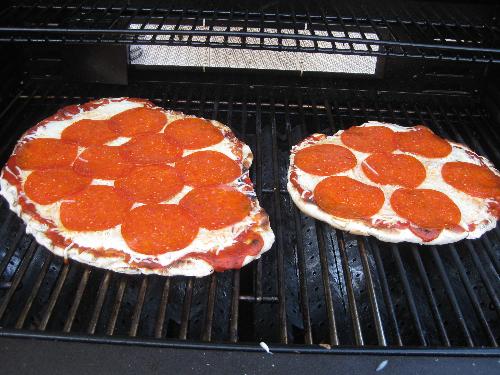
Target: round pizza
(127,186)
(395,183)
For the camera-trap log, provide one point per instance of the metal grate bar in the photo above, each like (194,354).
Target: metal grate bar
(344,27)
(486,281)
(330,310)
(118,16)
(186,309)
(301,262)
(101,295)
(409,295)
(371,293)
(149,17)
(491,141)
(386,292)
(76,302)
(410,35)
(116,307)
(134,325)
(233,322)
(53,297)
(451,295)
(320,233)
(235,293)
(358,27)
(7,124)
(18,277)
(13,134)
(489,250)
(207,331)
(430,295)
(162,310)
(163,21)
(258,190)
(353,309)
(34,291)
(475,303)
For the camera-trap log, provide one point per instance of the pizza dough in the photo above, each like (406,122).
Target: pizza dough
(395,183)
(124,185)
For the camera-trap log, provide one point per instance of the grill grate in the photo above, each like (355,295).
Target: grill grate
(316,286)
(405,29)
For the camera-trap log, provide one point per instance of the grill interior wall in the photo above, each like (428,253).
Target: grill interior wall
(316,285)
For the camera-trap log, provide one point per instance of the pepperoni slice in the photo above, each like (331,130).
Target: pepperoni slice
(475,180)
(216,207)
(426,208)
(193,133)
(159,228)
(138,120)
(325,159)
(394,169)
(150,149)
(348,198)
(369,138)
(422,141)
(150,184)
(89,132)
(103,162)
(49,186)
(96,208)
(208,168)
(46,153)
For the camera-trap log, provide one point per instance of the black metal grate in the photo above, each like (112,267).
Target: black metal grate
(317,285)
(430,30)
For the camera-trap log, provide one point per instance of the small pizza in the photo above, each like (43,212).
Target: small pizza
(127,186)
(395,183)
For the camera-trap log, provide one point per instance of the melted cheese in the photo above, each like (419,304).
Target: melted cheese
(111,239)
(474,210)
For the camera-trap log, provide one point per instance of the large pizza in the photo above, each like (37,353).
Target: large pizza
(395,183)
(124,185)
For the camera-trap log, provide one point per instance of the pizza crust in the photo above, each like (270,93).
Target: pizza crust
(474,210)
(89,250)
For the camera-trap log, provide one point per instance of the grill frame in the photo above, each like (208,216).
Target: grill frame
(282,114)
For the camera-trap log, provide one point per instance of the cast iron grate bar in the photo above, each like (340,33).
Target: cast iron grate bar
(472,295)
(452,297)
(103,288)
(409,295)
(78,298)
(36,286)
(371,293)
(432,299)
(160,320)
(110,329)
(54,297)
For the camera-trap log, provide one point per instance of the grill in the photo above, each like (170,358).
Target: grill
(318,289)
